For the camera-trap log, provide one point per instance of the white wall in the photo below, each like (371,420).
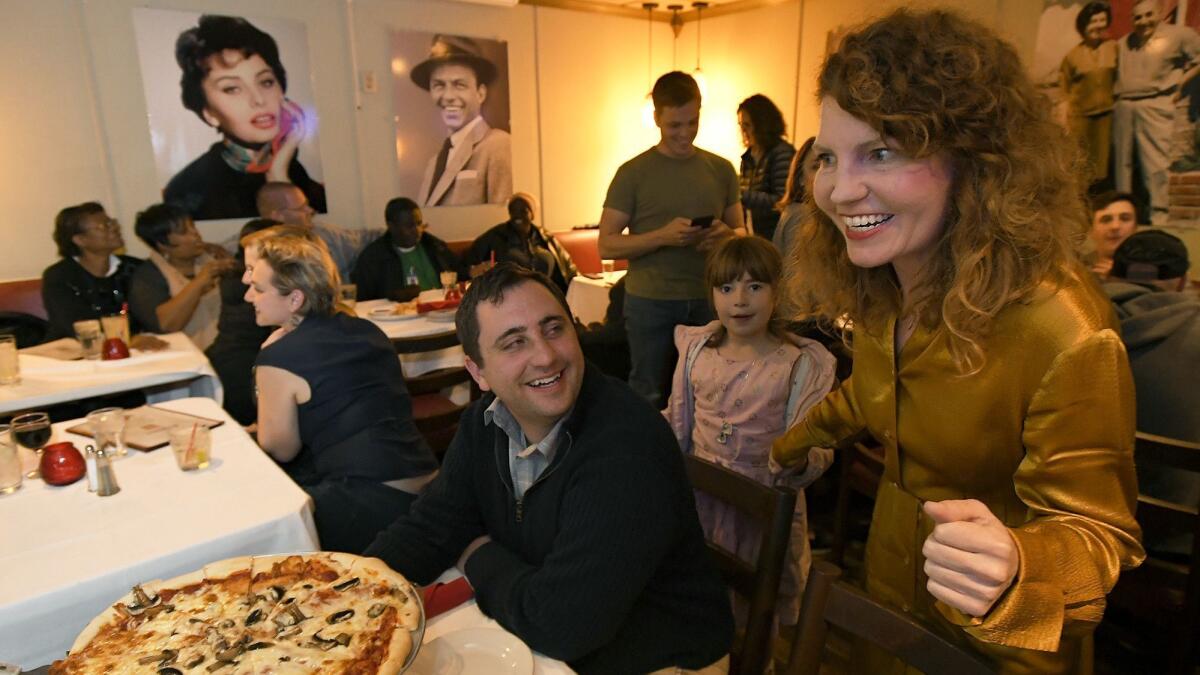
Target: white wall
(73,123)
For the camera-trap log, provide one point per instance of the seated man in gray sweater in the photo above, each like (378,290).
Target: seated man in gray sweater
(564,500)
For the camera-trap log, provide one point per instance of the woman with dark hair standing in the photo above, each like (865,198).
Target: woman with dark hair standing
(176,288)
(986,360)
(791,207)
(764,171)
(1087,76)
(234,81)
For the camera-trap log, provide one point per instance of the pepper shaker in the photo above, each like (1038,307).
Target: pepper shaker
(106,477)
(93,477)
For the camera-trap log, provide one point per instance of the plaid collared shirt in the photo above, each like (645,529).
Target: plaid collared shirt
(525,462)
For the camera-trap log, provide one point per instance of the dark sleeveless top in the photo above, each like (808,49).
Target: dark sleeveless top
(358,422)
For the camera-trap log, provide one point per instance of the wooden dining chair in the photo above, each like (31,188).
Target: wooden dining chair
(1158,604)
(831,602)
(758,583)
(435,415)
(860,468)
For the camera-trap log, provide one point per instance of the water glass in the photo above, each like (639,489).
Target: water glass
(349,295)
(108,430)
(10,462)
(90,337)
(10,363)
(192,446)
(116,326)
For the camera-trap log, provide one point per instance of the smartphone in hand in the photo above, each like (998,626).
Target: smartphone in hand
(702,221)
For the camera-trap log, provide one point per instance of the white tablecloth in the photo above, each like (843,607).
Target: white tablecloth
(588,298)
(66,554)
(181,370)
(419,326)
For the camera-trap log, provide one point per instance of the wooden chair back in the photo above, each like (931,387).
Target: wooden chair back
(772,508)
(860,468)
(830,602)
(1162,596)
(434,414)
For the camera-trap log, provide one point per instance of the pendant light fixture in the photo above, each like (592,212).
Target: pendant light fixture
(648,104)
(697,73)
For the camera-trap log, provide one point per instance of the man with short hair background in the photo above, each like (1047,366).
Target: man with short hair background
(657,196)
(1160,326)
(406,252)
(474,165)
(564,500)
(1114,218)
(287,203)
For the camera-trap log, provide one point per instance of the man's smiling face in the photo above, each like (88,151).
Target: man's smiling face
(530,357)
(457,93)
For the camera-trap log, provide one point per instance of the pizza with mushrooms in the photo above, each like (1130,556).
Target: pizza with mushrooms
(318,613)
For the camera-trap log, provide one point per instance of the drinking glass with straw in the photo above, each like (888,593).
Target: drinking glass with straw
(191,445)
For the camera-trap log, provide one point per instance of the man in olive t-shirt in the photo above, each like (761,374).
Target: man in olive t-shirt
(657,195)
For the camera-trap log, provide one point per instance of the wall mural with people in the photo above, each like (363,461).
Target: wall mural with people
(230,106)
(1122,75)
(452,118)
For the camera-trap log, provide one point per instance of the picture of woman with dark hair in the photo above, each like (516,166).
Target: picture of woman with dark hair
(233,80)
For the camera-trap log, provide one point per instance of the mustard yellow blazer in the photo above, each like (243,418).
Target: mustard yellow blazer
(1043,435)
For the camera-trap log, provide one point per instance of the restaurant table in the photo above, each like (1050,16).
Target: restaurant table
(66,553)
(588,298)
(419,326)
(179,371)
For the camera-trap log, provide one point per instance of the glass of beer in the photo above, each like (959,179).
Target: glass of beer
(10,362)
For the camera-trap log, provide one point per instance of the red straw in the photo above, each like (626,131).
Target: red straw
(190,453)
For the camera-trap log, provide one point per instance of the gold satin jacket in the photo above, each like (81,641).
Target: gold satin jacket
(1043,435)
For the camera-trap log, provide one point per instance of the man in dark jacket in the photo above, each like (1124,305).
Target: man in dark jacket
(564,499)
(406,256)
(1160,325)
(520,240)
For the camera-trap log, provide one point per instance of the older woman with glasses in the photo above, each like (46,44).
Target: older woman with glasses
(332,406)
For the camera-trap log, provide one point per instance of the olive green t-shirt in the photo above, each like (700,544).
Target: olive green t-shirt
(652,189)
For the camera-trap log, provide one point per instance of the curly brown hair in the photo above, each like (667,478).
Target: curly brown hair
(932,83)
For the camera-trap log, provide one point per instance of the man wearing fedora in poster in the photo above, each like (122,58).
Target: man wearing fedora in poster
(474,165)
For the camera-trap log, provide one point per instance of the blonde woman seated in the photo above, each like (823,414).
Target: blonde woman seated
(332,405)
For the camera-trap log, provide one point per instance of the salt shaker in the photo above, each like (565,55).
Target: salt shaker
(93,477)
(106,478)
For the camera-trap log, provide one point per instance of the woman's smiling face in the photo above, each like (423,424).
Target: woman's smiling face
(243,97)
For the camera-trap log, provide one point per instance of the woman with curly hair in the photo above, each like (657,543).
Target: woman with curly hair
(986,361)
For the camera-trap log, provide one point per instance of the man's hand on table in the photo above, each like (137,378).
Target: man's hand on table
(471,548)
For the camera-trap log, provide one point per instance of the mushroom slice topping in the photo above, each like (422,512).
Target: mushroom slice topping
(254,617)
(338,617)
(346,585)
(376,610)
(289,617)
(142,600)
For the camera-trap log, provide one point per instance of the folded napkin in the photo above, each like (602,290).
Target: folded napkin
(439,598)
